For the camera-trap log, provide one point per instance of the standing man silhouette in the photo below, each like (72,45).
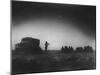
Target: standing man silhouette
(46,46)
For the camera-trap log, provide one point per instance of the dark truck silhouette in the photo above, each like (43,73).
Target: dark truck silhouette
(28,45)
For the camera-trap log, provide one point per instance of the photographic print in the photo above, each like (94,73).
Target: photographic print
(52,37)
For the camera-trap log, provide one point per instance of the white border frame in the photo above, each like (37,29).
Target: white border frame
(5,37)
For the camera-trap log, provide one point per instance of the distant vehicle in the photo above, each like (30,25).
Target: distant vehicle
(28,45)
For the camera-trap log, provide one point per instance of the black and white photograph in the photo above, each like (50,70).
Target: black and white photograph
(52,37)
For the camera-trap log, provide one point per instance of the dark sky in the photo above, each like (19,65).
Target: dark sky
(59,24)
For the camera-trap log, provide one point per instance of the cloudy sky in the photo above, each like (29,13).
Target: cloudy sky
(59,24)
